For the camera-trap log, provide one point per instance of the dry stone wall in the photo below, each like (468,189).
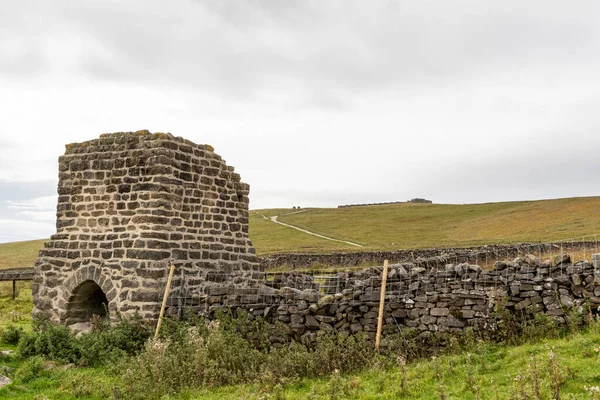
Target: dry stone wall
(130,204)
(475,255)
(425,296)
(417,200)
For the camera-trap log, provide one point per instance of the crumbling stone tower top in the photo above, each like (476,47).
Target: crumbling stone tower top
(131,203)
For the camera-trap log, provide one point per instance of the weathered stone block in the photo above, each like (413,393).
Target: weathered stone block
(439,312)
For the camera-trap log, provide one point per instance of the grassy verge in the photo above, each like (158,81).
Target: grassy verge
(548,362)
(16,311)
(566,366)
(531,371)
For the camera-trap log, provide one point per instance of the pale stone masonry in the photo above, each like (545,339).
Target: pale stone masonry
(130,204)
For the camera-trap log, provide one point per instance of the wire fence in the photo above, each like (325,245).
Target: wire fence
(477,271)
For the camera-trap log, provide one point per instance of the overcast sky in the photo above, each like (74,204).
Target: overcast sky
(316,103)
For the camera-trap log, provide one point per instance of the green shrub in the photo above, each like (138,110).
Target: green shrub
(256,331)
(342,352)
(541,326)
(30,369)
(290,361)
(54,342)
(11,334)
(108,343)
(164,367)
(103,345)
(230,359)
(40,321)
(222,354)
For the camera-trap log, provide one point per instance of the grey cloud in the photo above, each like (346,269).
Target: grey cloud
(315,102)
(350,46)
(25,190)
(247,15)
(530,174)
(22,63)
(26,211)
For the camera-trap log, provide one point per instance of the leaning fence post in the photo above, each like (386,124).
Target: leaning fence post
(164,302)
(181,294)
(381,304)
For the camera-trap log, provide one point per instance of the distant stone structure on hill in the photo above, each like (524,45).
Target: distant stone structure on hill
(415,200)
(130,204)
(419,200)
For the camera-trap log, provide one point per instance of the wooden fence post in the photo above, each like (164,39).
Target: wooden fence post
(164,302)
(14,294)
(381,304)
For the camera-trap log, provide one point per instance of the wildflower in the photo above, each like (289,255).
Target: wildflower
(213,326)
(401,361)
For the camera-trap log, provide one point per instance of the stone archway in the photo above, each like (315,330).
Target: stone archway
(87,292)
(86,300)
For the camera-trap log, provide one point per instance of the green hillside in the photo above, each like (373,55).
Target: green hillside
(271,238)
(405,226)
(19,254)
(401,226)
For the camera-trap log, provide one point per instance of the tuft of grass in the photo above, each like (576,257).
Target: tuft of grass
(18,311)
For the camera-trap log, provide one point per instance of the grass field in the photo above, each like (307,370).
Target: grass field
(569,365)
(19,254)
(17,311)
(406,226)
(271,238)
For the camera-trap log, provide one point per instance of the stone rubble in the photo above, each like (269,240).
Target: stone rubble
(4,381)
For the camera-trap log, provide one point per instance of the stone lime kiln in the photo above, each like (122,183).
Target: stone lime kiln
(130,204)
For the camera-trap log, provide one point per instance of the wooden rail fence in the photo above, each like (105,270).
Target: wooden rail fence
(14,275)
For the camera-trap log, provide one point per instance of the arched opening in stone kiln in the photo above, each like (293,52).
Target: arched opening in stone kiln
(87,300)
